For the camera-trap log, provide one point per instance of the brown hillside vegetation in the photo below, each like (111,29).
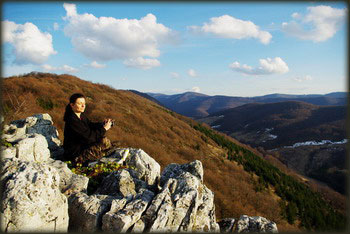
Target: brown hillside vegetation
(140,123)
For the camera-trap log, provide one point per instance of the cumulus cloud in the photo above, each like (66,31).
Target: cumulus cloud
(319,24)
(56,26)
(296,15)
(97,65)
(303,78)
(30,45)
(142,63)
(227,26)
(267,67)
(64,68)
(196,89)
(108,38)
(192,73)
(174,74)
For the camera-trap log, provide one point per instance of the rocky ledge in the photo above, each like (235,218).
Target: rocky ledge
(40,192)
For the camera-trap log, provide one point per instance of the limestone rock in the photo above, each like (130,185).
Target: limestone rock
(42,124)
(147,169)
(255,224)
(28,147)
(8,152)
(31,199)
(184,204)
(125,218)
(14,132)
(33,148)
(174,170)
(36,124)
(118,183)
(160,211)
(69,182)
(86,212)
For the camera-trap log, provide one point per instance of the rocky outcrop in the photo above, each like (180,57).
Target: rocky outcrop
(121,218)
(69,182)
(247,224)
(86,212)
(33,183)
(255,224)
(40,193)
(31,198)
(40,124)
(148,169)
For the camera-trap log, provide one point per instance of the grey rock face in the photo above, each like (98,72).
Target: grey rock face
(173,170)
(28,147)
(8,153)
(31,199)
(184,204)
(121,220)
(33,148)
(86,212)
(69,182)
(118,183)
(255,224)
(147,169)
(36,124)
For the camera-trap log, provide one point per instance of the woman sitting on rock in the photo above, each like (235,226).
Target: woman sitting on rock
(84,140)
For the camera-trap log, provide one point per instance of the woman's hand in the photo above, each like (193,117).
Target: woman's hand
(107,124)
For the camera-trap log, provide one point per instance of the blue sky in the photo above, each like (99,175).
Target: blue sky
(225,48)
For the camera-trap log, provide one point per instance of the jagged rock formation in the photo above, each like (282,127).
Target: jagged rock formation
(40,193)
(31,198)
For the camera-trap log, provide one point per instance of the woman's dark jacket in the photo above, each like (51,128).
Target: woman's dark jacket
(80,134)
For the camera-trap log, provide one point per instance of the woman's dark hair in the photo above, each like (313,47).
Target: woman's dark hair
(72,99)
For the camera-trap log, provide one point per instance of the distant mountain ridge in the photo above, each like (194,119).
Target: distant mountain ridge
(197,105)
(309,138)
(281,124)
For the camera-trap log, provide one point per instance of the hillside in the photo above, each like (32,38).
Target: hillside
(169,138)
(146,96)
(297,131)
(196,105)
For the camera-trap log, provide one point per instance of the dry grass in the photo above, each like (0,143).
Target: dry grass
(140,123)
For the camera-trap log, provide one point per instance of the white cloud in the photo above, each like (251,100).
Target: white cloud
(95,64)
(227,26)
(64,68)
(142,63)
(303,78)
(296,15)
(48,67)
(69,69)
(196,89)
(30,45)
(267,67)
(174,74)
(192,73)
(70,9)
(323,21)
(56,26)
(108,38)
